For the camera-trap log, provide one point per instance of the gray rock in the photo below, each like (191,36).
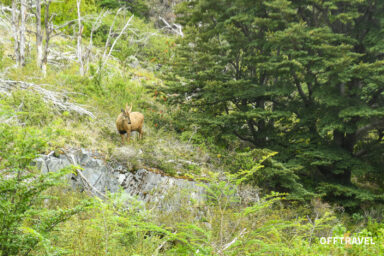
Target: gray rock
(162,191)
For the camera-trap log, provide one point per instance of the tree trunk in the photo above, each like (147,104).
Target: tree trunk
(39,36)
(15,30)
(48,31)
(79,48)
(346,142)
(22,32)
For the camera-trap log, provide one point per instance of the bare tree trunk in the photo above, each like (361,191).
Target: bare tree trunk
(48,30)
(39,36)
(79,48)
(22,32)
(15,30)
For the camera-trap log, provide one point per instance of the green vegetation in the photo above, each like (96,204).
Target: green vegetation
(298,77)
(275,108)
(27,218)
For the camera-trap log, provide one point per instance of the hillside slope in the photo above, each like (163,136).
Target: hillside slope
(48,114)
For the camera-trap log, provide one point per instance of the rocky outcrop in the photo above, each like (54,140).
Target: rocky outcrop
(99,176)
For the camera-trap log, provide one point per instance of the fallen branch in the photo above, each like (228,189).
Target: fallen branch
(225,247)
(175,28)
(56,98)
(85,180)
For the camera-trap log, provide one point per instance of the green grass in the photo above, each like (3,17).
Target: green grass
(273,226)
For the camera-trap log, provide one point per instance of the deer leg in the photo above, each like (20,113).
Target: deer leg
(141,134)
(122,138)
(128,136)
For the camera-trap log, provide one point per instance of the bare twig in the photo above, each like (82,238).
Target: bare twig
(175,28)
(225,247)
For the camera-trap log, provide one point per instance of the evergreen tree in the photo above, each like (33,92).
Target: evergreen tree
(303,78)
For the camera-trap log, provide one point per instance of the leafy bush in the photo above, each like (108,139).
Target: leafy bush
(30,106)
(26,224)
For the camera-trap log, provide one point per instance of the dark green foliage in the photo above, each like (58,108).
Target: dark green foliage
(302,78)
(138,7)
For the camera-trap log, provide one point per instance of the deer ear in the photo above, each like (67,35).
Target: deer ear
(130,108)
(126,108)
(122,110)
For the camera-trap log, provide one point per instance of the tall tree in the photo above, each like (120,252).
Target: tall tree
(303,78)
(39,35)
(80,55)
(18,30)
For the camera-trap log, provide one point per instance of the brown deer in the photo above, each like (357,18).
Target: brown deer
(128,121)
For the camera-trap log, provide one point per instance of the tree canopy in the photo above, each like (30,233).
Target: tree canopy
(303,78)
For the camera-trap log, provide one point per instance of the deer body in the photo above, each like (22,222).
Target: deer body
(128,121)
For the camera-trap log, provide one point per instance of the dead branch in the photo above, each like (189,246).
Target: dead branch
(95,26)
(110,34)
(118,37)
(56,98)
(105,55)
(175,28)
(55,56)
(225,247)
(85,181)
(9,9)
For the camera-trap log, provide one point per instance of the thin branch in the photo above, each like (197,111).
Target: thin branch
(95,26)
(300,90)
(176,28)
(85,180)
(225,247)
(110,34)
(117,38)
(244,138)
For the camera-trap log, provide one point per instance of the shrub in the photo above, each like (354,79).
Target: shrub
(26,224)
(30,107)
